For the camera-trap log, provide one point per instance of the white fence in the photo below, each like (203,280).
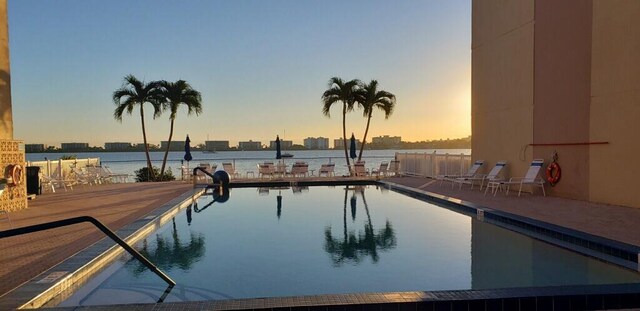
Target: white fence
(62,167)
(432,164)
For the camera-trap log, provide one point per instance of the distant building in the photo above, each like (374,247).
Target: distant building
(216,145)
(30,148)
(338,144)
(284,144)
(74,146)
(316,143)
(176,145)
(249,145)
(387,141)
(117,146)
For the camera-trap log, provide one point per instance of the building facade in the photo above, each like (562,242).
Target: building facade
(74,146)
(387,141)
(216,145)
(117,146)
(284,144)
(249,145)
(339,143)
(560,76)
(32,148)
(320,143)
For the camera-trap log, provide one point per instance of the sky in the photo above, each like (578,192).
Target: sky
(260,65)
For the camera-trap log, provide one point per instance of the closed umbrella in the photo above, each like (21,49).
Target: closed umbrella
(278,152)
(187,150)
(352,147)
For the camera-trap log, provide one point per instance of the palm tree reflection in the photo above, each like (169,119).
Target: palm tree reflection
(353,248)
(168,254)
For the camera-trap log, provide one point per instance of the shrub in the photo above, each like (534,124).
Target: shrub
(142,175)
(68,157)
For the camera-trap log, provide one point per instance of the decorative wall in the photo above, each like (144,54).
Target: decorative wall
(13,198)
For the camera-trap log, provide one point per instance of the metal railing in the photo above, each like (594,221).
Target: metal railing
(101,226)
(432,164)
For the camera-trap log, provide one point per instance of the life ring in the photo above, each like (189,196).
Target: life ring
(16,174)
(553,173)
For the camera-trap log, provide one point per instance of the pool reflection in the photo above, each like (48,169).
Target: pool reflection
(353,248)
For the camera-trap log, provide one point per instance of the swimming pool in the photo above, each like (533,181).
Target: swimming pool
(328,240)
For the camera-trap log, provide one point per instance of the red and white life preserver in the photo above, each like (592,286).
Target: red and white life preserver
(17,174)
(553,173)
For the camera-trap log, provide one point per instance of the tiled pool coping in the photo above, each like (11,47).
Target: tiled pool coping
(538,298)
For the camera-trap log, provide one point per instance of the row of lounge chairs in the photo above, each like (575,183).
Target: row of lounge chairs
(494,181)
(89,175)
(298,169)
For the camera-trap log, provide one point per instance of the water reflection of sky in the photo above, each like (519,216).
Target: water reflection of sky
(319,240)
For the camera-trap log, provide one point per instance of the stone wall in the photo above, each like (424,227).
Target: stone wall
(13,198)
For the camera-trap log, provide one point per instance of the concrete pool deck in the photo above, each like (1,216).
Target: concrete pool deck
(117,205)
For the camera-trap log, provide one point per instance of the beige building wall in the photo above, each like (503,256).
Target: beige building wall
(502,83)
(562,91)
(560,72)
(615,102)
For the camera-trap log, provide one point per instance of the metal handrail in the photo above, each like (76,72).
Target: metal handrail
(101,226)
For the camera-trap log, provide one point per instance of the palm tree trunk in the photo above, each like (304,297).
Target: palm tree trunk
(166,152)
(344,135)
(146,146)
(364,139)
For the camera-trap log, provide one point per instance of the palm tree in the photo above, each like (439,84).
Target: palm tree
(344,92)
(135,92)
(174,94)
(369,97)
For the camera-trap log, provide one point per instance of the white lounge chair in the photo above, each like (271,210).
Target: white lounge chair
(359,169)
(394,168)
(473,170)
(531,178)
(494,175)
(299,169)
(327,169)
(382,170)
(228,167)
(266,169)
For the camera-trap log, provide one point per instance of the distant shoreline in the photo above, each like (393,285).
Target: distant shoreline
(233,150)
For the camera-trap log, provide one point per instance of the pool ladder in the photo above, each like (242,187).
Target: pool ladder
(101,226)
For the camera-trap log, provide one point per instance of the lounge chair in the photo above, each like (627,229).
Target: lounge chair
(494,175)
(359,169)
(327,169)
(228,167)
(394,168)
(531,178)
(473,170)
(266,169)
(300,169)
(382,170)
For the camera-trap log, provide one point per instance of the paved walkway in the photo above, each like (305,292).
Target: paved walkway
(24,257)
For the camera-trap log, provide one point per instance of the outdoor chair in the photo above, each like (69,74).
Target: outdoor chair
(482,178)
(228,167)
(382,170)
(299,169)
(473,170)
(359,169)
(532,178)
(266,169)
(327,170)
(394,168)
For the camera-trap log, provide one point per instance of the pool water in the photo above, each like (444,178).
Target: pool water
(329,240)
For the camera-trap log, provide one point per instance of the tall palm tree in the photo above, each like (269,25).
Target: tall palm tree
(369,97)
(173,95)
(340,91)
(136,93)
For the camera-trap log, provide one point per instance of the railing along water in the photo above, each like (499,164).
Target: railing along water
(433,164)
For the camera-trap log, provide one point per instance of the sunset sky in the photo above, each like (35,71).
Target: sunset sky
(261,66)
